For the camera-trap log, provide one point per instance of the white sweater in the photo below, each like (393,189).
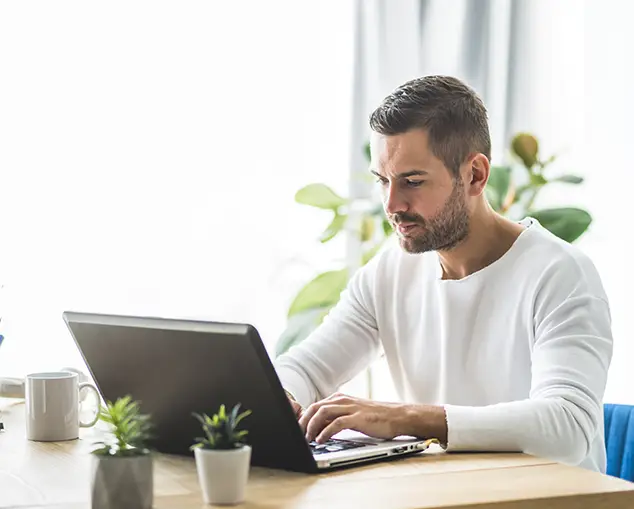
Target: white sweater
(517,353)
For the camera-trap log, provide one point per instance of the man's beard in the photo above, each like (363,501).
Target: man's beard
(444,231)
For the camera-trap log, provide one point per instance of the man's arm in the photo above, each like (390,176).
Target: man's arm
(561,417)
(340,348)
(570,360)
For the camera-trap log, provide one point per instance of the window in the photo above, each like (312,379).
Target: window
(149,155)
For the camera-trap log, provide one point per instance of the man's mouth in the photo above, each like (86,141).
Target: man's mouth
(406,228)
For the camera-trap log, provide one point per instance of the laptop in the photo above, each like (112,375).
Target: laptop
(176,367)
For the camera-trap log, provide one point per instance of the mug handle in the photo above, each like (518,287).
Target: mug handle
(86,385)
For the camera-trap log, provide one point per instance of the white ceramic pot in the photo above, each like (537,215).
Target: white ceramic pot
(223,474)
(120,482)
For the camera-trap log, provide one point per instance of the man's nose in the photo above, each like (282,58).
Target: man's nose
(393,201)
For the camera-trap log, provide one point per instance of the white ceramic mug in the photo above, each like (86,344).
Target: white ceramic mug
(52,406)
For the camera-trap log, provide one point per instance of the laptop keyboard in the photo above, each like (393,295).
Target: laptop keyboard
(333,445)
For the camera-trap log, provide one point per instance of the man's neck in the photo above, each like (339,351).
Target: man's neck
(490,236)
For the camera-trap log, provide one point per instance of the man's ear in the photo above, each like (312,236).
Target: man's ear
(478,173)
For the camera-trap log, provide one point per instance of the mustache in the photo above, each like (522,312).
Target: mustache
(399,217)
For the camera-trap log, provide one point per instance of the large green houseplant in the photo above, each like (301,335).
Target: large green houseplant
(511,191)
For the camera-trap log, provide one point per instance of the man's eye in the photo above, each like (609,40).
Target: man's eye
(381,181)
(414,183)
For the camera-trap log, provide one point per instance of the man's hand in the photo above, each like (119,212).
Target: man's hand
(297,408)
(321,420)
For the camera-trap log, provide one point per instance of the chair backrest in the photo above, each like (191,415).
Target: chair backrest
(619,440)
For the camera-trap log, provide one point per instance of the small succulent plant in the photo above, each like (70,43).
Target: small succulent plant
(129,427)
(221,429)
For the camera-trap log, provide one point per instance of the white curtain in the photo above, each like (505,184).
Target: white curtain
(560,69)
(490,44)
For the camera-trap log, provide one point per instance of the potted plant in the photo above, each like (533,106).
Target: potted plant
(222,457)
(122,465)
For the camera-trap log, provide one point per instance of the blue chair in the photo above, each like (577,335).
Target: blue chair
(619,440)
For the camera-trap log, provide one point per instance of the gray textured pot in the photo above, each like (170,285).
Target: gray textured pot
(122,482)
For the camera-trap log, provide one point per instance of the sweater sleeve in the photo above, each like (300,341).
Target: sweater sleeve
(341,347)
(570,359)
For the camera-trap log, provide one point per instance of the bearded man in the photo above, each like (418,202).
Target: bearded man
(497,334)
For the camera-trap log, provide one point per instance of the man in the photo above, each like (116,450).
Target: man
(497,334)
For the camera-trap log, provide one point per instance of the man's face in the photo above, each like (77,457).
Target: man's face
(425,203)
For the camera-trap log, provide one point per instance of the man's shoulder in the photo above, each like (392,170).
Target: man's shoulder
(545,248)
(559,261)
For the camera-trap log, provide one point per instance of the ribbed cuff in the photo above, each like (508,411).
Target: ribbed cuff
(487,428)
(295,383)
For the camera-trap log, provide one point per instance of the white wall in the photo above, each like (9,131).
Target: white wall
(608,105)
(581,104)
(149,155)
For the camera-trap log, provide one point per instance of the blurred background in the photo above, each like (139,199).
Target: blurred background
(151,152)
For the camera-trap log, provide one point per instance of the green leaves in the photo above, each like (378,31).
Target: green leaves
(537,180)
(387,227)
(321,292)
(568,179)
(320,196)
(498,185)
(526,147)
(221,429)
(566,223)
(336,225)
(323,197)
(367,228)
(130,428)
(299,327)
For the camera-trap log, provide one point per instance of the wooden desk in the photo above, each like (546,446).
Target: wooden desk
(57,475)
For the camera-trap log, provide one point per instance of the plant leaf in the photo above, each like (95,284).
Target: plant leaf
(526,147)
(298,327)
(335,226)
(240,434)
(568,179)
(104,415)
(323,291)
(548,161)
(320,196)
(105,450)
(367,228)
(233,418)
(244,414)
(387,227)
(498,186)
(367,151)
(566,223)
(199,418)
(537,180)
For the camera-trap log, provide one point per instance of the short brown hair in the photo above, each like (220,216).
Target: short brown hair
(453,115)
